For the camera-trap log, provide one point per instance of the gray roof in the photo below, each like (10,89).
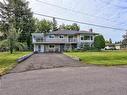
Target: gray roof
(71,32)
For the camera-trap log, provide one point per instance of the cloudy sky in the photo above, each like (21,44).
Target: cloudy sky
(112,13)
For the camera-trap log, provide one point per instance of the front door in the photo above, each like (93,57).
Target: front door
(61,47)
(39,48)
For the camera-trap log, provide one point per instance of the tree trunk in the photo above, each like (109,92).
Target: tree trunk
(11,50)
(11,46)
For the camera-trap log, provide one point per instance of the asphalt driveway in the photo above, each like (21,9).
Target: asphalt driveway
(46,61)
(66,81)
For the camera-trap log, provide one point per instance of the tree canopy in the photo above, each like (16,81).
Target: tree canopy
(11,42)
(99,42)
(74,26)
(124,41)
(43,26)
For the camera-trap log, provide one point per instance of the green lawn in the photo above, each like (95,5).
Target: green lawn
(7,60)
(108,58)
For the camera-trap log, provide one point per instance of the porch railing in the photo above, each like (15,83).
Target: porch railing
(57,40)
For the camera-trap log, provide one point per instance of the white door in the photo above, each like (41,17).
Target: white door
(42,48)
(39,48)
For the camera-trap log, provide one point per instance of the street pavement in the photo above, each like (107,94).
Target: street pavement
(66,81)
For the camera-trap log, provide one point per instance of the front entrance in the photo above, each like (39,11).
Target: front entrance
(61,47)
(38,48)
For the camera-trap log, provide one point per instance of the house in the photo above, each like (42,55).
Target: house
(110,46)
(62,40)
(118,46)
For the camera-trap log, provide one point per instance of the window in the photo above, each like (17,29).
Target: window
(86,37)
(91,37)
(61,36)
(51,46)
(82,38)
(51,36)
(39,39)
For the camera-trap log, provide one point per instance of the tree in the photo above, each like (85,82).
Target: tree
(74,26)
(124,41)
(99,42)
(110,41)
(44,26)
(18,13)
(6,16)
(12,41)
(62,27)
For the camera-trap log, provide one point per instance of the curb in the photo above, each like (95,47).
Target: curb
(23,58)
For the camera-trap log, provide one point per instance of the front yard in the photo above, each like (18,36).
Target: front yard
(108,58)
(7,60)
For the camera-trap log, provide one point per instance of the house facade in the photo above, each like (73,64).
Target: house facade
(62,40)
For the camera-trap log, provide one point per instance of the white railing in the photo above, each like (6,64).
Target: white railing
(72,40)
(56,40)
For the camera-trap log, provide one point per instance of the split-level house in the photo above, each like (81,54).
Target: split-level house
(62,40)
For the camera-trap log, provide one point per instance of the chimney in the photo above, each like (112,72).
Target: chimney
(91,30)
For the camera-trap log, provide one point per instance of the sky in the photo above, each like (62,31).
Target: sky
(112,13)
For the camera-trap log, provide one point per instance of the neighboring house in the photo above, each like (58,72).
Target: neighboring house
(114,46)
(118,46)
(124,46)
(62,40)
(109,46)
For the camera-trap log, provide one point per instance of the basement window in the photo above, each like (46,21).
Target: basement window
(51,46)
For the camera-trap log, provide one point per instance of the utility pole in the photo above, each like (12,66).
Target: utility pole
(54,24)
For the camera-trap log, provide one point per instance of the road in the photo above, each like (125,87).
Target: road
(66,81)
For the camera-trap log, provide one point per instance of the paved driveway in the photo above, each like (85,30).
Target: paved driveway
(47,60)
(66,81)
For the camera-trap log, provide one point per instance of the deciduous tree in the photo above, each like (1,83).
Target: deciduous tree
(74,26)
(44,26)
(99,42)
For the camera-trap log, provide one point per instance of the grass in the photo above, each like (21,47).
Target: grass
(108,58)
(8,61)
